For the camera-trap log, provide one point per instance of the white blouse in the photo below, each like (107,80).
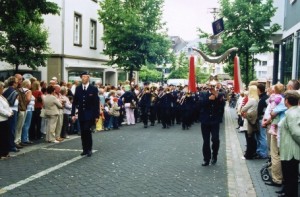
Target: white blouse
(5,110)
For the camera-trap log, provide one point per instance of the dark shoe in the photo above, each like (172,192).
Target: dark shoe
(205,163)
(19,146)
(83,153)
(89,154)
(145,126)
(213,161)
(237,127)
(28,143)
(164,127)
(152,124)
(280,192)
(271,183)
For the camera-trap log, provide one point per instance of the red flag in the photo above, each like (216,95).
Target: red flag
(192,76)
(237,75)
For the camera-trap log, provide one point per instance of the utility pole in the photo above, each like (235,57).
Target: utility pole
(214,11)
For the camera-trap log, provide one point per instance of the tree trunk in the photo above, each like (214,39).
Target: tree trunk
(17,69)
(131,74)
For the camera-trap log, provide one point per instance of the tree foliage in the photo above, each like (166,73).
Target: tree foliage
(242,30)
(150,74)
(133,33)
(22,37)
(245,24)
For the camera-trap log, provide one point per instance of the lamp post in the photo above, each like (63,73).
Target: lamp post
(253,49)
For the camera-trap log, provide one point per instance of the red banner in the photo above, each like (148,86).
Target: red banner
(237,75)
(192,75)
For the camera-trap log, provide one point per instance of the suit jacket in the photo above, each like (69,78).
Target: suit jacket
(51,105)
(210,110)
(289,128)
(87,102)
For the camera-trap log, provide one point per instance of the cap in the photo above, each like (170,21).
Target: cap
(54,78)
(146,83)
(84,73)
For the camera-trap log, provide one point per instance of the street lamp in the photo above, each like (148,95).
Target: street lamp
(253,49)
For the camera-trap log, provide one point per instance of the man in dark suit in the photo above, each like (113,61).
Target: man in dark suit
(211,106)
(86,100)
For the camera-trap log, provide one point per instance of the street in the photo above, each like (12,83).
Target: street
(132,161)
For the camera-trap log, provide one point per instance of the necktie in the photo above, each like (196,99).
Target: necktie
(84,88)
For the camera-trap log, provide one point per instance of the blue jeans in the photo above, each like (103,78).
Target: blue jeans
(26,126)
(261,138)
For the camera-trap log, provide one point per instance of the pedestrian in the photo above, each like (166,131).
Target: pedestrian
(211,104)
(290,143)
(86,100)
(5,113)
(261,135)
(249,112)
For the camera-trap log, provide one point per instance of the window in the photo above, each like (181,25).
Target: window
(264,63)
(93,34)
(77,30)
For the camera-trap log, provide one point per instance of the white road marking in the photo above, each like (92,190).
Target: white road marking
(59,149)
(40,174)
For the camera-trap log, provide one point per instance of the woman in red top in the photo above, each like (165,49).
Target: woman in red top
(35,128)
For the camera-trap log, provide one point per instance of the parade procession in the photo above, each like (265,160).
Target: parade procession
(149,98)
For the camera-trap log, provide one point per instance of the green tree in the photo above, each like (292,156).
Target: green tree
(180,67)
(245,24)
(133,33)
(22,37)
(148,74)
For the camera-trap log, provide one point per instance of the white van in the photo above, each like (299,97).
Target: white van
(177,82)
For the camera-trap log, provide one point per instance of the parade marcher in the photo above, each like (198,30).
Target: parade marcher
(86,100)
(144,103)
(211,104)
(186,103)
(165,104)
(153,106)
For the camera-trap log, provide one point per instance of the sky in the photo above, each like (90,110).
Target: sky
(184,17)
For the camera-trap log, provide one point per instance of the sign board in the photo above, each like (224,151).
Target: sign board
(218,26)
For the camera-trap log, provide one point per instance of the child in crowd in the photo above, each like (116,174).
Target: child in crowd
(99,124)
(115,113)
(107,106)
(274,100)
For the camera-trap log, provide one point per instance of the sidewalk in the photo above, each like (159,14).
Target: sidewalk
(243,175)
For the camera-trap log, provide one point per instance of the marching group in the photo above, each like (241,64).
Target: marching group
(270,119)
(31,110)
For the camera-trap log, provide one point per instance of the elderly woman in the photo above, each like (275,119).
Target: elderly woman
(52,106)
(5,113)
(290,143)
(249,112)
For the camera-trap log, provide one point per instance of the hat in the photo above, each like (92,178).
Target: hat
(84,73)
(54,78)
(146,83)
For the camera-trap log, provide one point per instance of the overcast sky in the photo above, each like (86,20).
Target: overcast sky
(183,17)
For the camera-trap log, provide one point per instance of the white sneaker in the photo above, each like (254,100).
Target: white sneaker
(55,141)
(67,137)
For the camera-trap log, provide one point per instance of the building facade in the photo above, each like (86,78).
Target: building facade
(287,47)
(75,40)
